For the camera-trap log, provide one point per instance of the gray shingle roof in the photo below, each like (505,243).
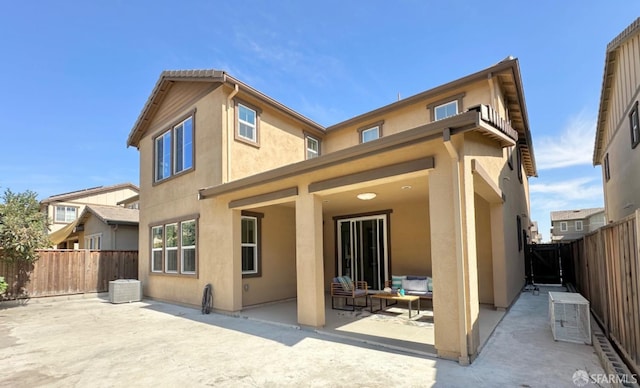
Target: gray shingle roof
(111,215)
(564,215)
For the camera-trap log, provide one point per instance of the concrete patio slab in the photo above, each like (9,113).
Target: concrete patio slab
(90,342)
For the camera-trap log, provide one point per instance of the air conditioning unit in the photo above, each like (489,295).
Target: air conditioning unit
(570,317)
(125,291)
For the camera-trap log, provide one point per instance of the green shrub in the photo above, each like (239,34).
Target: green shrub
(3,285)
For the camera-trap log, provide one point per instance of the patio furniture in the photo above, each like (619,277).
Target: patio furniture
(420,286)
(387,297)
(345,288)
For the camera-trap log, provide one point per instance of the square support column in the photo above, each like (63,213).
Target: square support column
(221,255)
(309,260)
(500,299)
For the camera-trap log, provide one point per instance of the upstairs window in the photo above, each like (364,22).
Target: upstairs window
(313,147)
(66,214)
(445,110)
(634,125)
(247,122)
(174,150)
(564,226)
(607,171)
(370,132)
(579,226)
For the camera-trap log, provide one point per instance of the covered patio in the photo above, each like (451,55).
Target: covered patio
(390,328)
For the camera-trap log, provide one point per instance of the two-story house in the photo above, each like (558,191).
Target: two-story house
(242,192)
(569,225)
(618,127)
(64,211)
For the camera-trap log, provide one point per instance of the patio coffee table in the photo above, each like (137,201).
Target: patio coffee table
(387,297)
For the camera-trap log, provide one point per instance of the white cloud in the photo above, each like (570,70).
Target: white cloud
(572,147)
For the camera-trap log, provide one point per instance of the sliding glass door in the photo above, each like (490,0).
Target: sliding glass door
(362,249)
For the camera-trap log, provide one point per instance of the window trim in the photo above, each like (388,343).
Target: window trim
(258,260)
(172,146)
(635,130)
(564,226)
(236,134)
(607,168)
(519,228)
(89,239)
(510,157)
(175,146)
(581,228)
(519,162)
(308,137)
(457,97)
(369,127)
(179,248)
(168,248)
(66,207)
(194,247)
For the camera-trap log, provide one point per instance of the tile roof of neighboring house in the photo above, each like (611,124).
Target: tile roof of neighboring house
(564,215)
(88,192)
(607,81)
(111,215)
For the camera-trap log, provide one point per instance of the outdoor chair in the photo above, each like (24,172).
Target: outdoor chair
(345,288)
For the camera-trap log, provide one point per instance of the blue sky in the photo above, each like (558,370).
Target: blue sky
(75,74)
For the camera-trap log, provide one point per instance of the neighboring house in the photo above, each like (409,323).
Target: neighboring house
(569,225)
(105,227)
(63,210)
(242,192)
(536,236)
(618,126)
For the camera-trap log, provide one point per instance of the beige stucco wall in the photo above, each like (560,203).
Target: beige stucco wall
(407,117)
(484,250)
(278,279)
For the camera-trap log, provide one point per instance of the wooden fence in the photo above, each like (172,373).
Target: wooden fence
(607,271)
(65,272)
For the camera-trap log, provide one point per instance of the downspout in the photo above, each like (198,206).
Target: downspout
(457,210)
(114,242)
(229,129)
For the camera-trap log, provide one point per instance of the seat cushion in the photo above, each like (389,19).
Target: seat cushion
(396,281)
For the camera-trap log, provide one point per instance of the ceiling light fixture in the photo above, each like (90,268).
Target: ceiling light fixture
(407,187)
(366,196)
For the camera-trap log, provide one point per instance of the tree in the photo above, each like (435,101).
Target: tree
(23,227)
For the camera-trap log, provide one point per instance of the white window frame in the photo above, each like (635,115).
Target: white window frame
(369,130)
(183,248)
(159,158)
(435,110)
(65,212)
(168,248)
(579,226)
(311,153)
(564,226)
(93,241)
(253,245)
(253,126)
(187,148)
(157,249)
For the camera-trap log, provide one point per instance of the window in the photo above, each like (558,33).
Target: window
(250,239)
(173,247)
(510,157)
(313,147)
(188,246)
(563,226)
(579,226)
(519,227)
(66,213)
(247,124)
(93,241)
(607,173)
(634,124)
(519,163)
(446,110)
(183,146)
(174,150)
(157,245)
(370,134)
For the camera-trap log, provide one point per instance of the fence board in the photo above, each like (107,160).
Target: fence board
(608,275)
(64,272)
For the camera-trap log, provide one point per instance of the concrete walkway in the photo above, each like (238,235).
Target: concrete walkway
(82,342)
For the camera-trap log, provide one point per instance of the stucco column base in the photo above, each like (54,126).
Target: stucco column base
(309,260)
